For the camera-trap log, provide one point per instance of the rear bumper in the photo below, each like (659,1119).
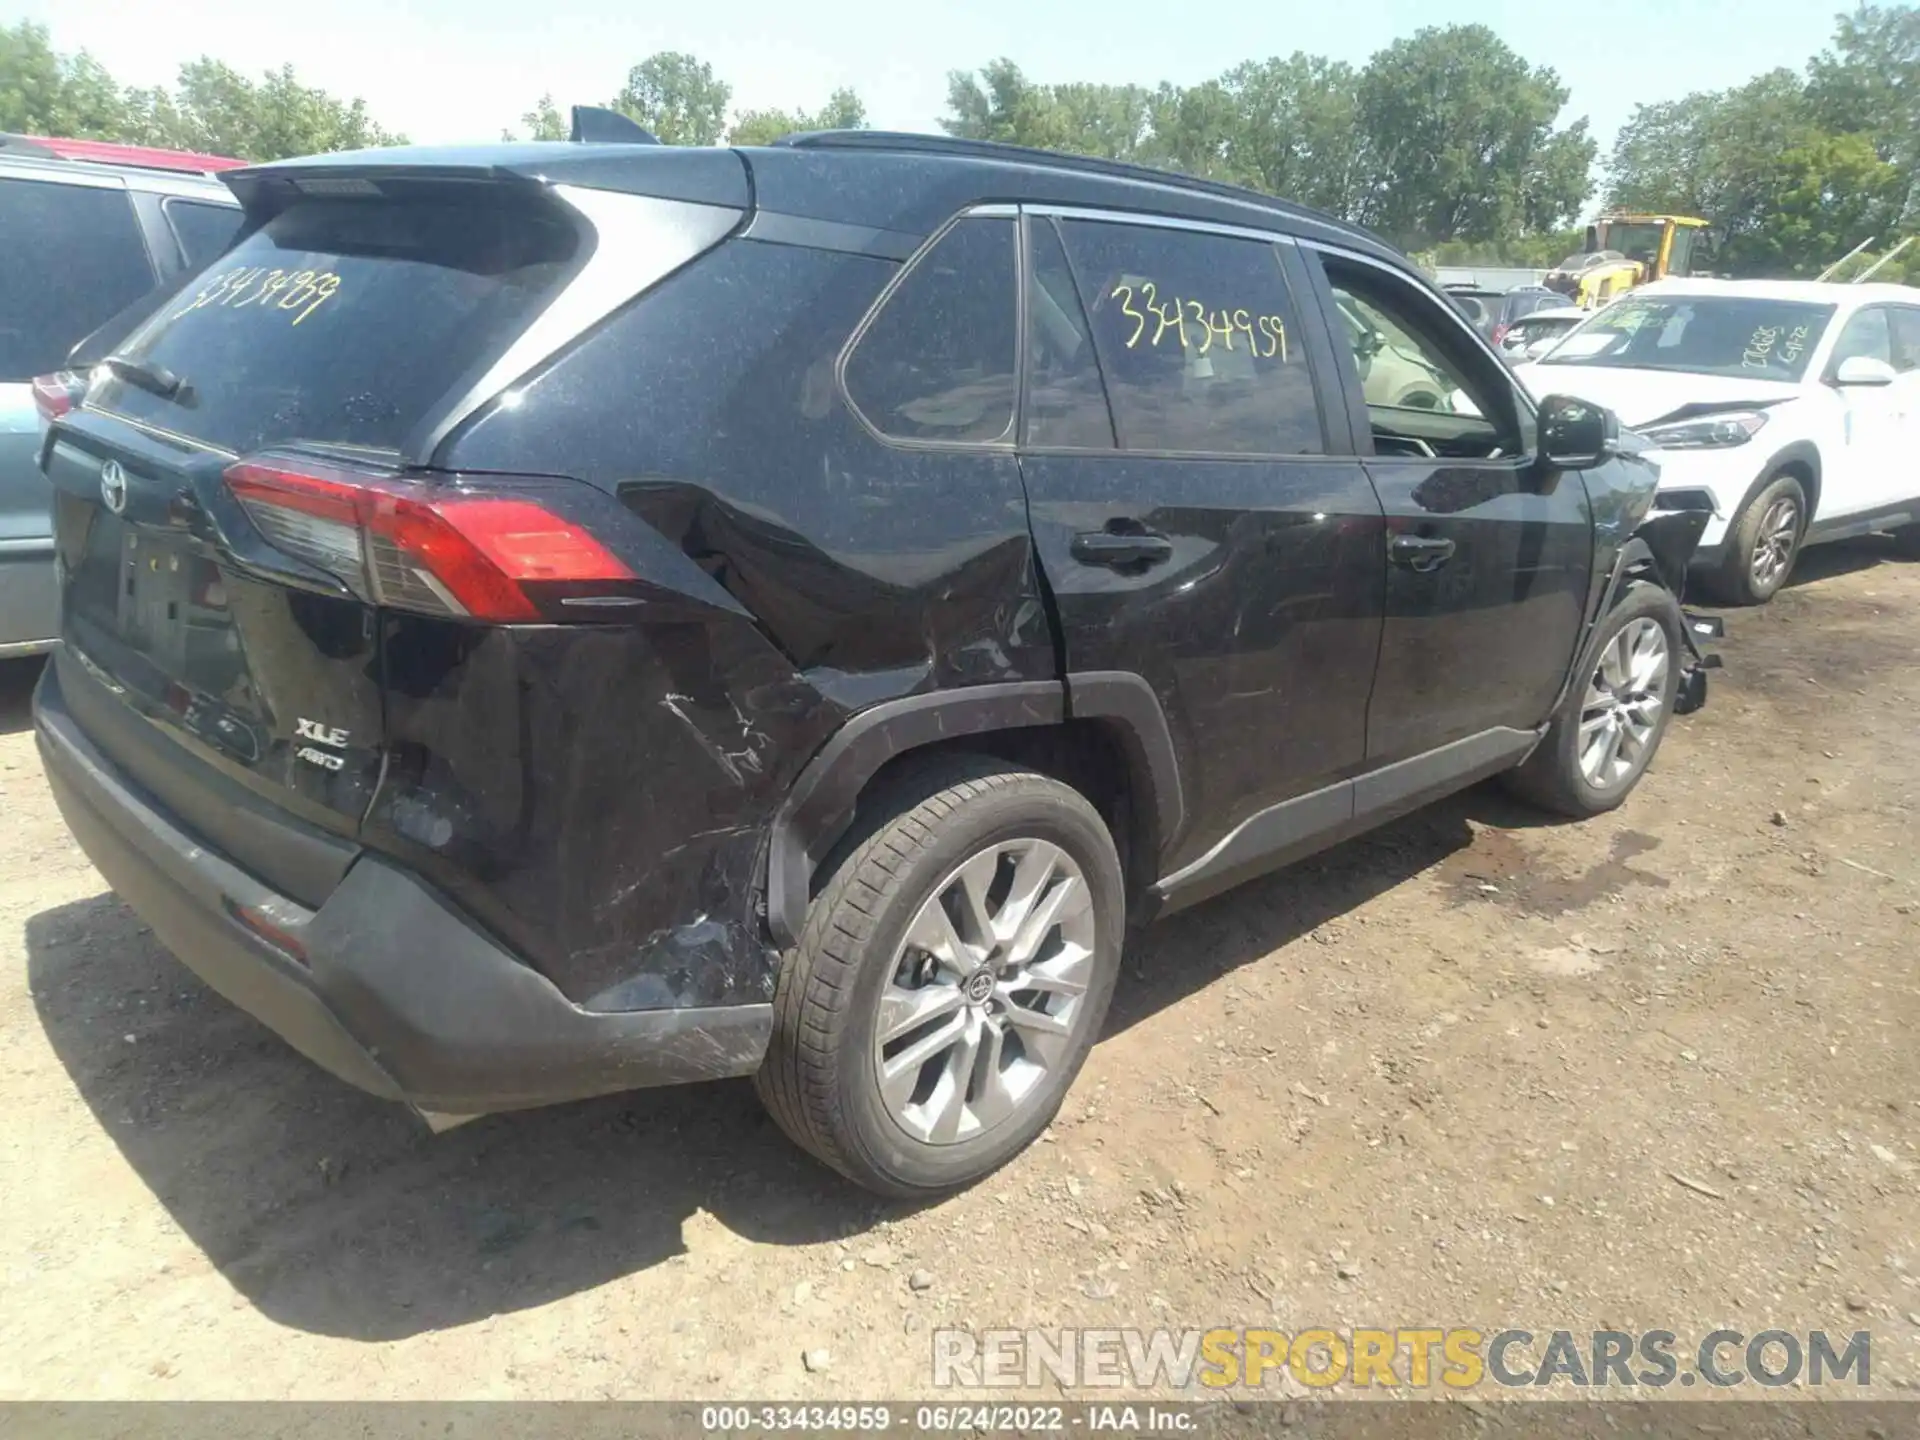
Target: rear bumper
(399,994)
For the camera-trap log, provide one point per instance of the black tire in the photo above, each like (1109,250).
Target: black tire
(818,1080)
(1552,776)
(1906,542)
(1735,582)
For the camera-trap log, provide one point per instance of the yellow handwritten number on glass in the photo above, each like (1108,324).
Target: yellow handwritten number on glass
(1124,293)
(1178,323)
(324,286)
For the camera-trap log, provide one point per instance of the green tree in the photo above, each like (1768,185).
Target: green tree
(1461,131)
(1113,122)
(543,122)
(1298,134)
(1869,84)
(843,111)
(1781,192)
(1193,128)
(677,97)
(1828,193)
(45,93)
(216,109)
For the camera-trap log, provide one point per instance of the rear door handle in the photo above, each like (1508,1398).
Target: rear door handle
(1420,552)
(1104,547)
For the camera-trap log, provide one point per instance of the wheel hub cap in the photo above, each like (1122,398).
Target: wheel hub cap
(985,996)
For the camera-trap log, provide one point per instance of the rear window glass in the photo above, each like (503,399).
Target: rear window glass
(70,258)
(345,321)
(204,231)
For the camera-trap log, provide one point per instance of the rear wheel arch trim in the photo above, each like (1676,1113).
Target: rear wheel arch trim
(1129,704)
(820,806)
(1801,459)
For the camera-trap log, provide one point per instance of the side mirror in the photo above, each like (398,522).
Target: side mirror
(1576,434)
(1864,370)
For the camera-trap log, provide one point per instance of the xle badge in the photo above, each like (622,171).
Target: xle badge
(324,735)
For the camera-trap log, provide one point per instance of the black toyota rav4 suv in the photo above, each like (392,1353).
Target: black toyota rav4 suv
(549,619)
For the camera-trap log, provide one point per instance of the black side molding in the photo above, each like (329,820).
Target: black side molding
(820,806)
(1308,823)
(1123,697)
(1393,790)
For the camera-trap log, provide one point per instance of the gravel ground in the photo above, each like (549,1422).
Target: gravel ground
(1654,1071)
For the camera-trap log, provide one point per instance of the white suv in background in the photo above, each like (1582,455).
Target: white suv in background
(1791,409)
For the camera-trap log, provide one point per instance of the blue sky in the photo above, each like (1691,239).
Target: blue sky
(452,70)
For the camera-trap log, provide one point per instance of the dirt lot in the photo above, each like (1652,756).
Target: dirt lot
(1445,1074)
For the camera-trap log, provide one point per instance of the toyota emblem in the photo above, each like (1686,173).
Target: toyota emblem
(113,487)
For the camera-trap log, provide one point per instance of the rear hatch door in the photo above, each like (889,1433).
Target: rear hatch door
(350,320)
(222,603)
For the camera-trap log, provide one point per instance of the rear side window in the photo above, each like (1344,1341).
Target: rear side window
(70,258)
(938,362)
(1198,340)
(204,231)
(347,321)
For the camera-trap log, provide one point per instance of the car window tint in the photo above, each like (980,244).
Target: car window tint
(1473,307)
(1906,340)
(939,361)
(1411,357)
(1398,368)
(73,258)
(1867,334)
(1066,403)
(204,231)
(1197,339)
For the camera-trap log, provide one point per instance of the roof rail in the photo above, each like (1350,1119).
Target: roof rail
(898,140)
(597,125)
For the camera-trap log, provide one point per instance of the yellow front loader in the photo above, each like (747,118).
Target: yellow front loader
(1624,250)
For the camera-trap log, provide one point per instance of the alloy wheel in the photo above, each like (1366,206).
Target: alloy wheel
(986,994)
(1623,703)
(1773,549)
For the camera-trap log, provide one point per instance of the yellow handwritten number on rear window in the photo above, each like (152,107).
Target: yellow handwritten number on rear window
(297,293)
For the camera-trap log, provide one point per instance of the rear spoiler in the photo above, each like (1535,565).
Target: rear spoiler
(609,152)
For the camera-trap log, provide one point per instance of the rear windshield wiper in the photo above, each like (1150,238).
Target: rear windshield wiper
(155,379)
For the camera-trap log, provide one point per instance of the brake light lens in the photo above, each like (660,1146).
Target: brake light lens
(54,395)
(1500,332)
(439,549)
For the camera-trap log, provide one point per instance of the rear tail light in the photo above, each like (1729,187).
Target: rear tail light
(441,549)
(1500,332)
(54,395)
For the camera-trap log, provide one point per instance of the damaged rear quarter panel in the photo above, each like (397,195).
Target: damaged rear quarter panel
(601,795)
